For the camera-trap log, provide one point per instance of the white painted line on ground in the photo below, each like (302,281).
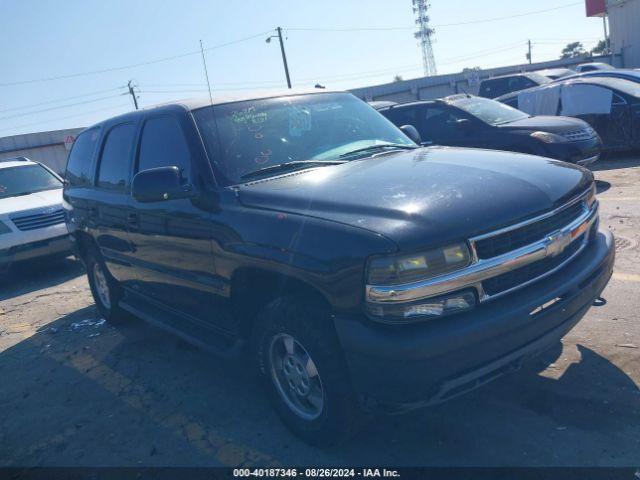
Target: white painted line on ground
(627,277)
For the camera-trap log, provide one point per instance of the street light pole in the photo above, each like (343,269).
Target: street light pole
(284,55)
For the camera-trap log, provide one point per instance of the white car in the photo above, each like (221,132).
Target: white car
(32,222)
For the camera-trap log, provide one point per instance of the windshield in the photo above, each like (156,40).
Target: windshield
(244,137)
(489,111)
(24,180)
(539,79)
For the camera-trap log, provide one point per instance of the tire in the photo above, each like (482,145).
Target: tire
(288,333)
(104,288)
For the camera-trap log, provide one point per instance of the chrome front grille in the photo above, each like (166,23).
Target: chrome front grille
(42,219)
(577,135)
(513,239)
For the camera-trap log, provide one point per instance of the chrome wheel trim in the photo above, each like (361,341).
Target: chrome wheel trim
(102,287)
(296,377)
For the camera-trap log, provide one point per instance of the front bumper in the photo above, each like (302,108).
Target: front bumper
(59,245)
(583,152)
(407,366)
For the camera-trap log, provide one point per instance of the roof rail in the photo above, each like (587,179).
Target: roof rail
(15,159)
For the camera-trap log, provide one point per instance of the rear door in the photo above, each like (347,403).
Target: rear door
(110,212)
(608,112)
(172,238)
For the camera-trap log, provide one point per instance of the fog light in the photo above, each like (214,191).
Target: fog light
(424,309)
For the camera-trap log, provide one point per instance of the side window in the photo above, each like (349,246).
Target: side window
(527,83)
(80,161)
(497,87)
(402,116)
(115,162)
(163,145)
(617,100)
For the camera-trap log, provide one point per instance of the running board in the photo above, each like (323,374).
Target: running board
(203,337)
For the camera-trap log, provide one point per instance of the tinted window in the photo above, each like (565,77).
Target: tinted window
(164,145)
(115,163)
(402,116)
(493,88)
(16,181)
(80,162)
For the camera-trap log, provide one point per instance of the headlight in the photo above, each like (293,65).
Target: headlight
(548,137)
(401,269)
(4,228)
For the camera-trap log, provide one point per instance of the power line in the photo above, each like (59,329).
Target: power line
(68,105)
(470,22)
(133,65)
(49,102)
(16,127)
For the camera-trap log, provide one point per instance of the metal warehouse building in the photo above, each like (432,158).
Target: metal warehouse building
(49,148)
(624,27)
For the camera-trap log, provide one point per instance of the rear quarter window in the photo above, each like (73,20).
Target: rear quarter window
(80,162)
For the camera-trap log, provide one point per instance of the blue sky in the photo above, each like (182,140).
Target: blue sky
(44,39)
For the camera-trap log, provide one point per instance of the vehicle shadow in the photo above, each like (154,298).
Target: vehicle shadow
(86,393)
(617,160)
(25,277)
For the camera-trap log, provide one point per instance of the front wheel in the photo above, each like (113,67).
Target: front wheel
(304,372)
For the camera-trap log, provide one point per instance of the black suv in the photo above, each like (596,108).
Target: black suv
(355,269)
(496,86)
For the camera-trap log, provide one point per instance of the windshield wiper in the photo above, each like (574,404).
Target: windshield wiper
(375,148)
(283,167)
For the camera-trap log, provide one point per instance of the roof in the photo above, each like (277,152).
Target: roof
(196,103)
(620,84)
(554,71)
(17,162)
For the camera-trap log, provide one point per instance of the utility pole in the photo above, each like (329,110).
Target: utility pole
(284,55)
(529,54)
(425,35)
(132,93)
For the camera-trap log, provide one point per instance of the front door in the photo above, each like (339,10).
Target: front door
(172,238)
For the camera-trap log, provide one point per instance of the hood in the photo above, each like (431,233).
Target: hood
(42,199)
(545,123)
(427,196)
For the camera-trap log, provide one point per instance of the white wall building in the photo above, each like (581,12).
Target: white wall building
(49,148)
(624,30)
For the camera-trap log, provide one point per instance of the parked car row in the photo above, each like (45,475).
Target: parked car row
(468,121)
(610,105)
(494,87)
(356,270)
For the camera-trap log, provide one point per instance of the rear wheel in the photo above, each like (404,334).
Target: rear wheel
(104,288)
(304,372)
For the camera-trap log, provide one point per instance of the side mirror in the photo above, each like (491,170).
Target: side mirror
(159,184)
(411,132)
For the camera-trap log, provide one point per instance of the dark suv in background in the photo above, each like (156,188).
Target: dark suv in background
(496,86)
(467,121)
(355,269)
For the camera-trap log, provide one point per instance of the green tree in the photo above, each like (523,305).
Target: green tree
(600,48)
(574,49)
